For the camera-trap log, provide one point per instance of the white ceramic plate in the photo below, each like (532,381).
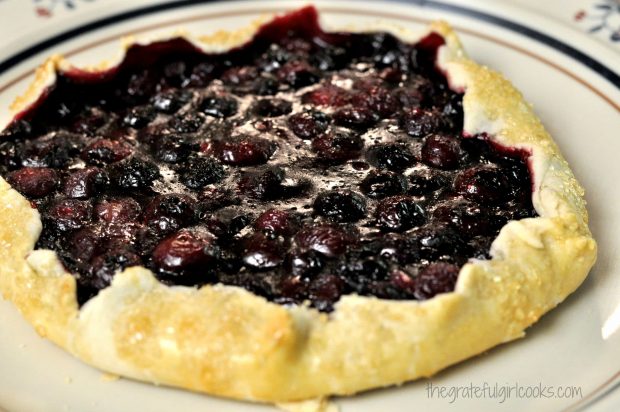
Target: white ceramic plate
(566,75)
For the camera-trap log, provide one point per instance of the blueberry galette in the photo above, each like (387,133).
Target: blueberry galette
(285,213)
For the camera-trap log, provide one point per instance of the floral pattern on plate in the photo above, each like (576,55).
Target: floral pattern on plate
(45,8)
(603,18)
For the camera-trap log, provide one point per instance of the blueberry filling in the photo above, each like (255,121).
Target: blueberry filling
(303,166)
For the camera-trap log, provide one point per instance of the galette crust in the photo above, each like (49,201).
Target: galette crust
(224,340)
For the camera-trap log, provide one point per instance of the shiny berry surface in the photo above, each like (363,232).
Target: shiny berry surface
(303,167)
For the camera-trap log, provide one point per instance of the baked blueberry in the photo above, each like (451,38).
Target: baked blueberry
(187,123)
(340,206)
(85,243)
(34,182)
(337,146)
(265,86)
(272,107)
(328,240)
(170,101)
(395,157)
(297,74)
(54,150)
(140,116)
(176,73)
(118,210)
(399,213)
(90,121)
(172,148)
(274,58)
(85,183)
(184,250)
(239,75)
(104,267)
(219,106)
(419,122)
(328,95)
(438,242)
(262,252)
(438,277)
(10,153)
(201,171)
(380,183)
(426,182)
(442,152)
(483,184)
(181,207)
(65,215)
(467,217)
(134,174)
(308,124)
(244,150)
(360,274)
(269,183)
(330,58)
(325,290)
(105,151)
(377,99)
(280,222)
(357,118)
(303,264)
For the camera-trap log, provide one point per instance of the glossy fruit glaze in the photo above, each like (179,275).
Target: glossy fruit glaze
(302,166)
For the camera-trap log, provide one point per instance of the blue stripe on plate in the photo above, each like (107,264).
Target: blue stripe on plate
(559,45)
(578,55)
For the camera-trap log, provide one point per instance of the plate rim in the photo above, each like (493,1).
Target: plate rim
(609,386)
(593,63)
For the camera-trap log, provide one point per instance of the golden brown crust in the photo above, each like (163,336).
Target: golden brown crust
(225,341)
